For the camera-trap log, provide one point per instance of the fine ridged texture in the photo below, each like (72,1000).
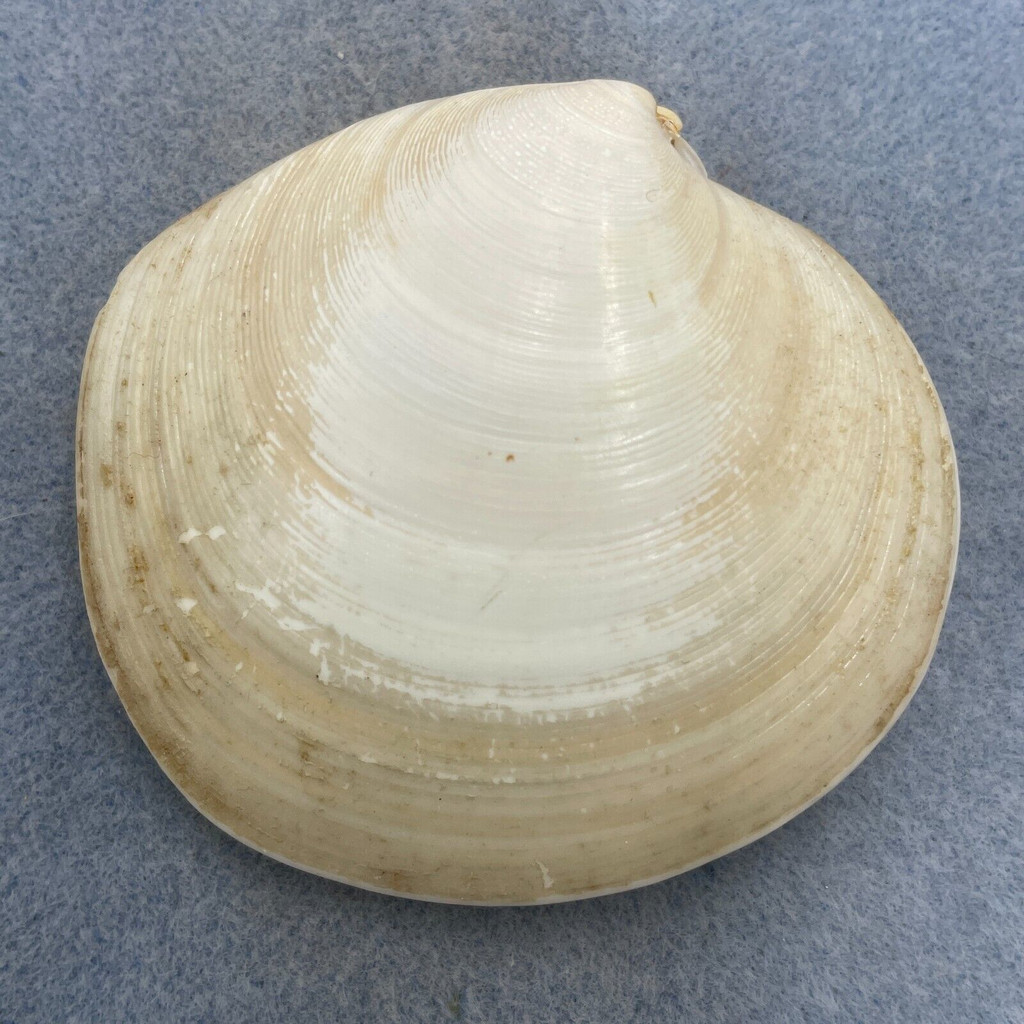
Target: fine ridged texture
(482,505)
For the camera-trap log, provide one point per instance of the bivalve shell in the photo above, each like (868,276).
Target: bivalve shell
(482,505)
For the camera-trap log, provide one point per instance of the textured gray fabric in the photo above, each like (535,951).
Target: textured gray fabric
(896,131)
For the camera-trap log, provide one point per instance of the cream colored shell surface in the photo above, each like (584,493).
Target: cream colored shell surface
(482,505)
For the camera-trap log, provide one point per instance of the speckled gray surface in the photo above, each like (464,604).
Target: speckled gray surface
(896,131)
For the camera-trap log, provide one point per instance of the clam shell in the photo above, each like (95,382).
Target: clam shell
(482,505)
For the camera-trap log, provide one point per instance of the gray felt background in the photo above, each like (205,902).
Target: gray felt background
(896,131)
